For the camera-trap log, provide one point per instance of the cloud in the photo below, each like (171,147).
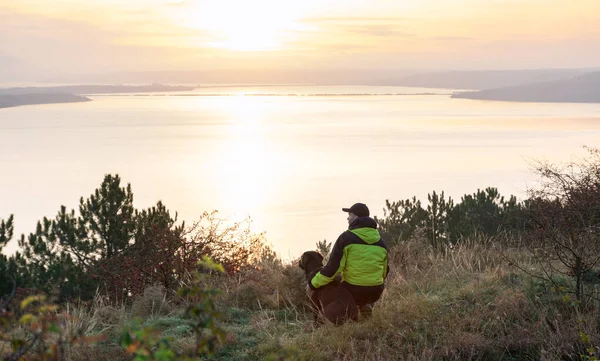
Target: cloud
(452,38)
(355,19)
(59,45)
(36,25)
(362,26)
(378,30)
(106,35)
(344,48)
(177,3)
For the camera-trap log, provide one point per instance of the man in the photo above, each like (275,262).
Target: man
(361,257)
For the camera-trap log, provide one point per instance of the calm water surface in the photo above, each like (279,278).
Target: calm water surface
(290,162)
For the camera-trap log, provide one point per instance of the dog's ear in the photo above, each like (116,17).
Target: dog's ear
(320,257)
(302,261)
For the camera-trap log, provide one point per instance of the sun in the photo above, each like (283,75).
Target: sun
(258,25)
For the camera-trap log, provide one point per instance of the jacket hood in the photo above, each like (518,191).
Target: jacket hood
(366,229)
(362,222)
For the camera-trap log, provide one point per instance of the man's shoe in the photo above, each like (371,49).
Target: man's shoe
(366,311)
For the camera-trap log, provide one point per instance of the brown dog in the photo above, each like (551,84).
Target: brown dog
(333,300)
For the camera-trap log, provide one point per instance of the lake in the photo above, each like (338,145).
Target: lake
(290,157)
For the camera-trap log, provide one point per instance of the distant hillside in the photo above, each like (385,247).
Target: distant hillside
(13,100)
(487,79)
(12,97)
(96,89)
(581,89)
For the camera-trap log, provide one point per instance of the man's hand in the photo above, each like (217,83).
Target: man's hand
(309,292)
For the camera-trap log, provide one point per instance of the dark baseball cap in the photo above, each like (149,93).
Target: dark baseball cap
(360,209)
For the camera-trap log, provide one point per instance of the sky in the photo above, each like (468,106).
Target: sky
(81,36)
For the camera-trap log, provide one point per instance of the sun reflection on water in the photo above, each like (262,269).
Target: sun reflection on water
(246,158)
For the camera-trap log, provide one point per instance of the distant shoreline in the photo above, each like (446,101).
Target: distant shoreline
(582,89)
(268,94)
(15,100)
(95,89)
(513,100)
(33,95)
(14,97)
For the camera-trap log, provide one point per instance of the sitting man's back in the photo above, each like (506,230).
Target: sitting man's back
(361,257)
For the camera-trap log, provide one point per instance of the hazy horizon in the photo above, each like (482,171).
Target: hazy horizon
(448,79)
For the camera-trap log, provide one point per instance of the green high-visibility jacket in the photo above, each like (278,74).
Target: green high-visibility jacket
(359,254)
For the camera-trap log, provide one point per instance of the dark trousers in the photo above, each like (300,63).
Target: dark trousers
(364,296)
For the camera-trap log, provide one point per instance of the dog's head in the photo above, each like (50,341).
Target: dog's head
(310,261)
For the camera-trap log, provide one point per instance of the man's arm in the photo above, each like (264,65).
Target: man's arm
(386,270)
(334,266)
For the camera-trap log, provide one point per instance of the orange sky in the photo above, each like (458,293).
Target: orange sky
(107,35)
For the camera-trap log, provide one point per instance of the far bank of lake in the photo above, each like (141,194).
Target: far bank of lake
(17,96)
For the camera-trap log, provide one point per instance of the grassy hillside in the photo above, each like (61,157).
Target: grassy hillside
(472,302)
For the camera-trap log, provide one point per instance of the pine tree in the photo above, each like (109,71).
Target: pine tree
(439,211)
(61,254)
(107,218)
(7,271)
(477,213)
(402,219)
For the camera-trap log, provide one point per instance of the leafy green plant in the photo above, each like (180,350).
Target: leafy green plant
(42,333)
(202,315)
(591,352)
(145,343)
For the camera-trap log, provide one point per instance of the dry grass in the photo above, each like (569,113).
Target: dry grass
(269,285)
(465,303)
(152,303)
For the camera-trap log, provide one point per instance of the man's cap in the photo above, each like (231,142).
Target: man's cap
(360,209)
